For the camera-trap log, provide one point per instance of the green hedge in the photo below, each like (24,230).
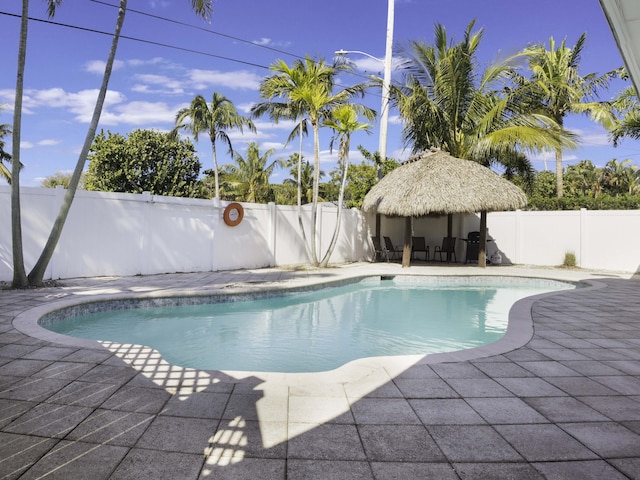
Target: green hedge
(601,202)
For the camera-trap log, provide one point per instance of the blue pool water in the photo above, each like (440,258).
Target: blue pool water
(319,330)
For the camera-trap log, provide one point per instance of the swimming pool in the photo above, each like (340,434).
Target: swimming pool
(312,331)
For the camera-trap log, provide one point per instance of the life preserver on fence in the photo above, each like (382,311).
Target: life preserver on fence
(233,214)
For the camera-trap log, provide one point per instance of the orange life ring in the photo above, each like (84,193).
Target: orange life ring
(233,214)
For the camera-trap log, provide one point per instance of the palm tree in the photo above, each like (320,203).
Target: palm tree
(305,91)
(202,8)
(618,176)
(447,103)
(301,173)
(626,104)
(248,179)
(557,85)
(343,121)
(215,119)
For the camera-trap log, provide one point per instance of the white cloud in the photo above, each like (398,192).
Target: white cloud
(268,42)
(237,80)
(139,113)
(25,145)
(97,66)
(48,142)
(149,81)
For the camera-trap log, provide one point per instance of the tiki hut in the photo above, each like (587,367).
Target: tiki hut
(435,183)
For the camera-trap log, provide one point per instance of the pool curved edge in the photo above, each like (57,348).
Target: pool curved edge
(519,331)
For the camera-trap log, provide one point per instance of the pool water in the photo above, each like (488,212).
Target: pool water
(314,331)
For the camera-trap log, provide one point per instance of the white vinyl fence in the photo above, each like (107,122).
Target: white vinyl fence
(599,239)
(127,234)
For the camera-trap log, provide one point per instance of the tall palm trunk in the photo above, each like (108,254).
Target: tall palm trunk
(19,274)
(300,222)
(215,166)
(37,273)
(336,230)
(316,191)
(559,173)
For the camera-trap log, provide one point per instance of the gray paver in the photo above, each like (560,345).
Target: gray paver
(497,471)
(579,470)
(445,412)
(399,443)
(173,434)
(473,443)
(539,443)
(156,465)
(547,409)
(77,460)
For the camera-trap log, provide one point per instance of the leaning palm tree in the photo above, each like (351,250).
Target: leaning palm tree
(215,119)
(343,121)
(248,179)
(35,277)
(306,91)
(561,90)
(446,102)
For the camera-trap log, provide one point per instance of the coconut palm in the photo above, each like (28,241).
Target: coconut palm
(202,8)
(301,173)
(343,121)
(305,91)
(215,119)
(561,90)
(446,102)
(248,179)
(618,176)
(627,106)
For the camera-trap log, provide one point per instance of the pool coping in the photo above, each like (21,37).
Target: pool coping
(518,333)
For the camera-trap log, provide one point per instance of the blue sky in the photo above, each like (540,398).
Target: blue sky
(152,82)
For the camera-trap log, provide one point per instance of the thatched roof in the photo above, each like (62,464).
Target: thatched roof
(434,182)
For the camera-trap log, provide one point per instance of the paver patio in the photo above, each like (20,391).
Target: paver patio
(563,403)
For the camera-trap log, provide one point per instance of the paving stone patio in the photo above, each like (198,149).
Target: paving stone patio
(562,404)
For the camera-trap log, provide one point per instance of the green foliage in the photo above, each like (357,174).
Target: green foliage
(569,260)
(145,161)
(248,179)
(62,179)
(602,202)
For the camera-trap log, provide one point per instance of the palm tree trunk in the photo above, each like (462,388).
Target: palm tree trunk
(336,230)
(37,273)
(559,173)
(316,190)
(300,222)
(19,273)
(215,166)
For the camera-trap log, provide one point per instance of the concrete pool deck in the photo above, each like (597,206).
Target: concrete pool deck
(561,401)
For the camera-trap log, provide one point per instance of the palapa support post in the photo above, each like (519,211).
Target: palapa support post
(406,252)
(482,253)
(449,233)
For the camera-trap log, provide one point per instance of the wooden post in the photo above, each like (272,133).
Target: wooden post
(449,232)
(406,252)
(482,253)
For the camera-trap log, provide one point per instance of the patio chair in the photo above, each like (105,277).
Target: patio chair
(381,252)
(393,252)
(418,244)
(448,247)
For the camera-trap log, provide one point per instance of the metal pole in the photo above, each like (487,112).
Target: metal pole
(386,86)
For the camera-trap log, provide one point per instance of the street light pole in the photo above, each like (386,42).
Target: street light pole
(386,84)
(386,96)
(386,87)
